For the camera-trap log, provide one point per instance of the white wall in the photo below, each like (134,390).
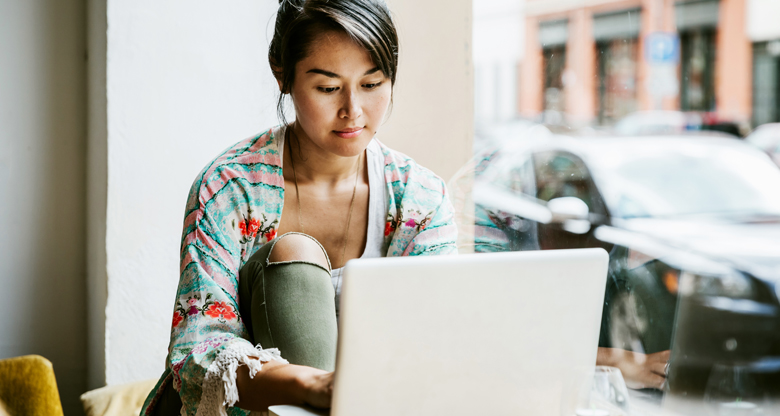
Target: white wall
(42,190)
(187,78)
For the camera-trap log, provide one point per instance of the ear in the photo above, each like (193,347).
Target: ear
(277,71)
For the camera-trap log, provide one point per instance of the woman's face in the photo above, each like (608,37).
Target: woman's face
(340,96)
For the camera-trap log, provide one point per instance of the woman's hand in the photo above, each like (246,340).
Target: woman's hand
(318,389)
(639,370)
(278,383)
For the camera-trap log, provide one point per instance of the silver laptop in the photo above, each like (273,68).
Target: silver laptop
(495,333)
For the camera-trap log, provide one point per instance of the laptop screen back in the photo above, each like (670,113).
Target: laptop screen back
(462,335)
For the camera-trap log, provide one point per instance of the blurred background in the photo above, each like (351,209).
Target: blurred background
(647,128)
(592,63)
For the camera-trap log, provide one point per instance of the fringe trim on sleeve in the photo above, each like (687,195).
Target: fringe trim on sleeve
(219,384)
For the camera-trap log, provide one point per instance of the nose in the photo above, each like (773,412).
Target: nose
(350,108)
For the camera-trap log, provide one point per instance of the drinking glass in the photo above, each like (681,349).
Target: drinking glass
(601,391)
(733,390)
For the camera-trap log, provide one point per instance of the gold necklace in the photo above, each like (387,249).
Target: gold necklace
(351,204)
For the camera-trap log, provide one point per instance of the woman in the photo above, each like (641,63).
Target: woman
(270,223)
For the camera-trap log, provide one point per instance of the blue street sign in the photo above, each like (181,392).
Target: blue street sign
(662,48)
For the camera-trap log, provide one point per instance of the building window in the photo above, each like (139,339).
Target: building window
(554,63)
(616,69)
(553,36)
(697,22)
(766,82)
(698,61)
(616,36)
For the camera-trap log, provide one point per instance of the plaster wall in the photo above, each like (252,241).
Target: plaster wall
(579,77)
(186,79)
(42,191)
(432,117)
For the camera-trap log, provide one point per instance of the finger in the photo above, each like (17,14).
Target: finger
(658,368)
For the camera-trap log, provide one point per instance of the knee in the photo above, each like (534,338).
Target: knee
(298,247)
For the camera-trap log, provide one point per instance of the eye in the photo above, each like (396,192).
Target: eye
(327,90)
(372,85)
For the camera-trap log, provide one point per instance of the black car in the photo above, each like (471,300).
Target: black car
(692,225)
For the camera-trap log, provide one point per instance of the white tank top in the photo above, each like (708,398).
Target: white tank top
(377,211)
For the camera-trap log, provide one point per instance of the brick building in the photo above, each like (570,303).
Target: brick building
(589,59)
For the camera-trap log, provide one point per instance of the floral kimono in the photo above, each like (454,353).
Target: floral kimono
(234,208)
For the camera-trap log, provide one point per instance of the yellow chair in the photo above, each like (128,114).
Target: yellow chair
(28,386)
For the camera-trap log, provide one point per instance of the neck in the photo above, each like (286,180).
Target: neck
(313,164)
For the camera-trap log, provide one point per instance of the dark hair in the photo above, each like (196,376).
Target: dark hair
(299,22)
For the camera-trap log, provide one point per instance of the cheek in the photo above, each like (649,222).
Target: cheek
(310,108)
(378,106)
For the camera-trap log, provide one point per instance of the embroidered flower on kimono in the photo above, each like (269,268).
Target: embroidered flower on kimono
(270,235)
(177,318)
(193,309)
(410,223)
(249,227)
(388,228)
(220,310)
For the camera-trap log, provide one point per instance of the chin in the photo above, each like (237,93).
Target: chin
(350,147)
(351,150)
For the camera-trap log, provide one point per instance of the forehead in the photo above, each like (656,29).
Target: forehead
(336,52)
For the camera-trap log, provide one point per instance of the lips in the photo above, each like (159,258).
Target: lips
(349,133)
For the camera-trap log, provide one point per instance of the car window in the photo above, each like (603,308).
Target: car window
(560,175)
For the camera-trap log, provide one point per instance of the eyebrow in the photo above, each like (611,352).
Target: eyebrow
(335,75)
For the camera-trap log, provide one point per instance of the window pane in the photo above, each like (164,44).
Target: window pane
(627,134)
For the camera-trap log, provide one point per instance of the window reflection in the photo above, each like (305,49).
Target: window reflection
(554,65)
(648,102)
(616,61)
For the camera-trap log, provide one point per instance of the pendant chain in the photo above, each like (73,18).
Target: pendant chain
(351,204)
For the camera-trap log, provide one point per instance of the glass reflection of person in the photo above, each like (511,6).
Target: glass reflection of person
(254,320)
(497,231)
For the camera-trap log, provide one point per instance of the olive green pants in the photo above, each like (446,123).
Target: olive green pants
(287,305)
(291,306)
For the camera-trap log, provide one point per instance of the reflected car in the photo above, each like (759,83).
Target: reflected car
(663,122)
(767,138)
(657,122)
(692,225)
